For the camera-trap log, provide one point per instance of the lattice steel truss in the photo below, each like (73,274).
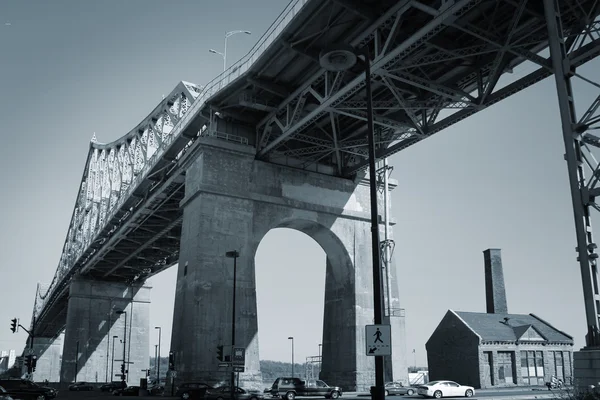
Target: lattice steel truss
(579,154)
(435,63)
(111,176)
(312,367)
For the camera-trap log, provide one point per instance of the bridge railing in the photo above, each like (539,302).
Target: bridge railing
(218,83)
(243,65)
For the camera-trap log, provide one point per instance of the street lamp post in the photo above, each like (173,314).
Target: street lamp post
(123,379)
(320,359)
(112,364)
(76,360)
(233,254)
(158,358)
(224,53)
(341,58)
(292,339)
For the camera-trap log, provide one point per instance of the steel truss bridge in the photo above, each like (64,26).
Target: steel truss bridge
(433,64)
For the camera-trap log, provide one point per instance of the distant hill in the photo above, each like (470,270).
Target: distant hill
(270,369)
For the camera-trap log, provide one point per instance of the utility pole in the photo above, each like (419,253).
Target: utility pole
(15,324)
(233,254)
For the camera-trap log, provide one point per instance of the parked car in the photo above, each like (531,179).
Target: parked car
(156,390)
(27,390)
(439,389)
(81,386)
(112,386)
(4,394)
(394,388)
(289,388)
(224,392)
(192,390)
(128,391)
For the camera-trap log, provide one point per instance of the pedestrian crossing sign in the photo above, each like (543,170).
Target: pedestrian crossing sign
(378,340)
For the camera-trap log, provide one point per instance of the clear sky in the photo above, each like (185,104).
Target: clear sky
(70,68)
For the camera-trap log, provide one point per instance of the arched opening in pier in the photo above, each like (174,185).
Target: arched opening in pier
(290,292)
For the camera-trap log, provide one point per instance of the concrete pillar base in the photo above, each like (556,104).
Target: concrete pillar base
(92,322)
(586,368)
(232,201)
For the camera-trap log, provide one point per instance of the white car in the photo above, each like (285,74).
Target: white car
(439,389)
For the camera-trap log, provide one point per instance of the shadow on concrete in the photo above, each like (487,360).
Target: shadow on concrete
(93,347)
(232,201)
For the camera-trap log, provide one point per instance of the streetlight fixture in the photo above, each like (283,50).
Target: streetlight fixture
(233,254)
(224,53)
(340,58)
(123,365)
(112,364)
(292,339)
(158,359)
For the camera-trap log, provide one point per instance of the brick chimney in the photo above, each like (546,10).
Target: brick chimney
(495,292)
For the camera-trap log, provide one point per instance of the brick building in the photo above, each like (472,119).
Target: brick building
(497,348)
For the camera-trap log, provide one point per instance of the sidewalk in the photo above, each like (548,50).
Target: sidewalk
(536,393)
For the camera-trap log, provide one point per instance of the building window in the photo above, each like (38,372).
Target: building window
(505,364)
(532,367)
(559,365)
(569,370)
(488,369)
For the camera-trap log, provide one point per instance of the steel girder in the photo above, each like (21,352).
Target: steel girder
(419,74)
(579,154)
(427,61)
(119,178)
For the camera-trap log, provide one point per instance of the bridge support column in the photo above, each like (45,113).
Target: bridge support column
(48,352)
(231,202)
(580,159)
(92,322)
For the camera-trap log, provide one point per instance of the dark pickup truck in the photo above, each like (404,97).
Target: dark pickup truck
(289,388)
(27,390)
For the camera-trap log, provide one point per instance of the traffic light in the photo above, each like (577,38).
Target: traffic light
(220,353)
(13,325)
(123,369)
(33,363)
(171,361)
(28,363)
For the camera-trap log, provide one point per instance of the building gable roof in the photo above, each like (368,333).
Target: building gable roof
(528,333)
(512,328)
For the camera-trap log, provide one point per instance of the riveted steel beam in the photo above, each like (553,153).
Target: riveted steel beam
(578,57)
(449,15)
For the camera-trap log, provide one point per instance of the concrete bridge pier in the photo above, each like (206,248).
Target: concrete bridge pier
(92,322)
(231,202)
(48,351)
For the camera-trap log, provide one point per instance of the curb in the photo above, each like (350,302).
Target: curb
(523,397)
(546,395)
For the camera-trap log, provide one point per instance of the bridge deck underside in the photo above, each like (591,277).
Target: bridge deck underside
(433,64)
(452,68)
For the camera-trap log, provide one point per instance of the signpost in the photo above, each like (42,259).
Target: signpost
(378,340)
(239,355)
(232,357)
(238,360)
